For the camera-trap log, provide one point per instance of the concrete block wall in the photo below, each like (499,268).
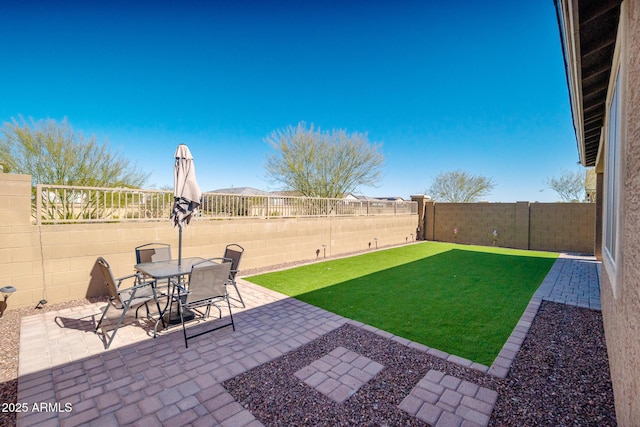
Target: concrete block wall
(475,223)
(556,227)
(57,262)
(563,226)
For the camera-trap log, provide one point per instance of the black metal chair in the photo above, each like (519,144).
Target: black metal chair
(135,296)
(206,288)
(234,253)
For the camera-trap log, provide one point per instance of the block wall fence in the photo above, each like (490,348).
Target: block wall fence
(57,262)
(555,227)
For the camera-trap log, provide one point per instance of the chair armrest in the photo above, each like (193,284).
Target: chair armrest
(123,278)
(181,289)
(138,286)
(119,280)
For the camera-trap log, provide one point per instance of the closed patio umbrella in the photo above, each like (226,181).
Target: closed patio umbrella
(186,192)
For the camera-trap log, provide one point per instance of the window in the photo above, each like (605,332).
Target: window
(613,155)
(613,188)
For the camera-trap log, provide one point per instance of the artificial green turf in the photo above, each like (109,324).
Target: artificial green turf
(463,300)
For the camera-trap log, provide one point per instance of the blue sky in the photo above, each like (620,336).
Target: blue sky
(478,86)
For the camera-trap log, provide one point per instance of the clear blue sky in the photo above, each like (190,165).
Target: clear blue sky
(471,85)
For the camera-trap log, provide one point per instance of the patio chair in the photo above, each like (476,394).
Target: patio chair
(150,252)
(206,288)
(234,253)
(124,298)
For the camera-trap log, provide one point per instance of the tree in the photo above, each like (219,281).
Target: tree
(460,187)
(53,153)
(322,164)
(570,185)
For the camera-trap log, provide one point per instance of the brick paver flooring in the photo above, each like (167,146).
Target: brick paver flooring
(440,399)
(66,377)
(339,374)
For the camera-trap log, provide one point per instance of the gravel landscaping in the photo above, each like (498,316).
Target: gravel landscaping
(560,377)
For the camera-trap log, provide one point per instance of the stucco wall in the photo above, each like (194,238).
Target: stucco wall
(56,262)
(622,315)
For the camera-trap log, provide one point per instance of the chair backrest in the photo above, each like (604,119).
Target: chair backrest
(151,252)
(108,279)
(207,279)
(234,253)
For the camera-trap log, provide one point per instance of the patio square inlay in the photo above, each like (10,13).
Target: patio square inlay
(339,374)
(441,399)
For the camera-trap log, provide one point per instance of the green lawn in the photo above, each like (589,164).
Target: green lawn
(461,299)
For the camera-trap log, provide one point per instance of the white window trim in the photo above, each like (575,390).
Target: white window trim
(613,262)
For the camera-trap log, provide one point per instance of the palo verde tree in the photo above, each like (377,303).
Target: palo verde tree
(322,164)
(53,153)
(460,187)
(570,185)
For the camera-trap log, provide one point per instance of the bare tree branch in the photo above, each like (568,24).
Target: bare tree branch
(570,185)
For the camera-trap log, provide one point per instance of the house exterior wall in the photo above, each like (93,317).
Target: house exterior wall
(57,262)
(621,315)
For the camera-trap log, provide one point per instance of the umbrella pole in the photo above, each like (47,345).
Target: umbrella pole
(180,246)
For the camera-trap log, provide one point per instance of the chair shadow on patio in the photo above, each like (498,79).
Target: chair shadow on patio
(132,329)
(87,323)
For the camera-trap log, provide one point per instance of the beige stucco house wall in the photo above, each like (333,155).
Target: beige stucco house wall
(621,306)
(586,33)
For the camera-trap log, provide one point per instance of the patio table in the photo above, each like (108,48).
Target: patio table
(168,269)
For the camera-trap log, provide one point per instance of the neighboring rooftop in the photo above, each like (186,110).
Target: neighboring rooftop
(246,191)
(249,191)
(369,198)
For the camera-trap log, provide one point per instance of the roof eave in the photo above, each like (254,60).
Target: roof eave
(587,32)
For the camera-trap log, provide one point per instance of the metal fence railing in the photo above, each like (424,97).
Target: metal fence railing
(57,204)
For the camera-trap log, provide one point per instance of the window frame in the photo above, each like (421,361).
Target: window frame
(613,188)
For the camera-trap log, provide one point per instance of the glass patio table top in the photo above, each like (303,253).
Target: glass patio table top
(168,269)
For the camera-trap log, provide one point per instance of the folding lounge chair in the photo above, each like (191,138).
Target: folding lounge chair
(234,252)
(124,298)
(207,286)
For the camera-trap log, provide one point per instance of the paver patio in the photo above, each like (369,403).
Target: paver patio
(145,381)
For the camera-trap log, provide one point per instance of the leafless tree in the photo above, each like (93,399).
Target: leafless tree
(570,185)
